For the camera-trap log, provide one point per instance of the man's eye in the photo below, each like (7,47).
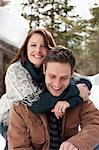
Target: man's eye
(65,78)
(51,76)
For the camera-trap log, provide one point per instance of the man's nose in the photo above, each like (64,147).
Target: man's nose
(57,83)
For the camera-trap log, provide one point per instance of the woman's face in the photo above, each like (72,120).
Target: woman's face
(36,49)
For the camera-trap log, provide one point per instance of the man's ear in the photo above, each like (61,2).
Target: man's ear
(43,69)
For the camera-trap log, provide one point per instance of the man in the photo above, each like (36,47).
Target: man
(30,131)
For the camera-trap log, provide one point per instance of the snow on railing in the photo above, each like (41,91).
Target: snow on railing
(95,87)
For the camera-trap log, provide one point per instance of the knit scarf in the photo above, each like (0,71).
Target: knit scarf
(38,80)
(36,73)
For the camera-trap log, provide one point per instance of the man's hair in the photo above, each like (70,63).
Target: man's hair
(62,55)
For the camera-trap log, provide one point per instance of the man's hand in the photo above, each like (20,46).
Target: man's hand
(84,92)
(67,146)
(60,108)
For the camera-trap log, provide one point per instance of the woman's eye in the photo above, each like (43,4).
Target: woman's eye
(43,46)
(32,45)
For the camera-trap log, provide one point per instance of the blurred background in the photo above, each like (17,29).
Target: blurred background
(73,23)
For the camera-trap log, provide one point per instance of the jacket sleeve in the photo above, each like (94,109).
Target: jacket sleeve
(88,137)
(18,132)
(20,87)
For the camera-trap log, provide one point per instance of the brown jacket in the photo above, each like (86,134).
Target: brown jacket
(29,131)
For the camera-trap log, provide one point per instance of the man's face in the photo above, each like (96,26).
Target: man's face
(57,77)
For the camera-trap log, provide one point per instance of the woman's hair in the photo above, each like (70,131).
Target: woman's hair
(22,52)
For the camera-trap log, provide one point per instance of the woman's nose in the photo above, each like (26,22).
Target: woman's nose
(38,49)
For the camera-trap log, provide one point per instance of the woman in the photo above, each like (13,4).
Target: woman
(24,78)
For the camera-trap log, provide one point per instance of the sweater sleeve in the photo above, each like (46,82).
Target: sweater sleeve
(48,101)
(20,87)
(70,94)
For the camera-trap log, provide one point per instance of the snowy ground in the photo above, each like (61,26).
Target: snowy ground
(2,142)
(95,89)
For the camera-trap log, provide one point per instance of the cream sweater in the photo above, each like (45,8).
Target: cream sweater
(19,85)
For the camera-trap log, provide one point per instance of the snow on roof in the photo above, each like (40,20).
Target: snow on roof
(13,27)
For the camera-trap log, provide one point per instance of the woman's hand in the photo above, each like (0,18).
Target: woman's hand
(84,91)
(59,108)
